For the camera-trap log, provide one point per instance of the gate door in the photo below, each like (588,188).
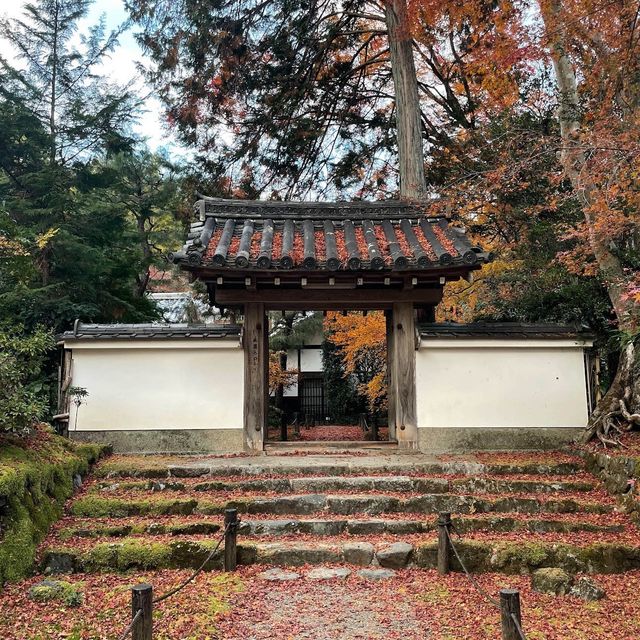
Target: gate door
(312,399)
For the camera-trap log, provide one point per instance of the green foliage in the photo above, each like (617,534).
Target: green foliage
(23,399)
(84,211)
(293,329)
(343,402)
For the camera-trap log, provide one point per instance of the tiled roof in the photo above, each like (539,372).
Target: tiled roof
(83,331)
(516,330)
(391,235)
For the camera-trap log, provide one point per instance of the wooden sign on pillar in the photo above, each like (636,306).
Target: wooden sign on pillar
(255,375)
(403,375)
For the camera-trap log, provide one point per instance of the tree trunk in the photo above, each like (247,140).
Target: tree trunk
(618,410)
(54,85)
(408,119)
(143,277)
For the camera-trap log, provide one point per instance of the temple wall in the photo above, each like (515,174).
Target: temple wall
(500,393)
(160,395)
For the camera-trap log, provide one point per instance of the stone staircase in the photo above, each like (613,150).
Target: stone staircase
(366,509)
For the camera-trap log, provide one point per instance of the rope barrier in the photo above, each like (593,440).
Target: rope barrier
(200,569)
(485,594)
(132,624)
(516,622)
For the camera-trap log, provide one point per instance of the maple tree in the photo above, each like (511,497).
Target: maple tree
(594,50)
(280,377)
(361,341)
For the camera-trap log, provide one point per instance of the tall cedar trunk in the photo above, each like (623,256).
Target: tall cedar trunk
(621,404)
(143,277)
(408,120)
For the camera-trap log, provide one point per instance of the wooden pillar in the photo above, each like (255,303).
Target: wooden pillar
(391,396)
(403,378)
(255,375)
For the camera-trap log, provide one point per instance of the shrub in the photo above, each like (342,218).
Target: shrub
(23,393)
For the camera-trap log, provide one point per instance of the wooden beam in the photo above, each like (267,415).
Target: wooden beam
(328,298)
(255,376)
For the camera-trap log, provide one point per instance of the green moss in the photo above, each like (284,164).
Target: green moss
(222,587)
(141,554)
(435,594)
(35,481)
(145,555)
(516,557)
(57,591)
(94,506)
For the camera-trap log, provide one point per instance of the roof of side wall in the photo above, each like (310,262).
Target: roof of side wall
(150,331)
(504,330)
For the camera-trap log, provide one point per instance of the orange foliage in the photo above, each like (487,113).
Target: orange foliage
(362,343)
(279,376)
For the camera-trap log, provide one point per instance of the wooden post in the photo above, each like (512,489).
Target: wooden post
(142,599)
(362,423)
(510,606)
(230,539)
(444,546)
(255,375)
(391,404)
(374,429)
(403,375)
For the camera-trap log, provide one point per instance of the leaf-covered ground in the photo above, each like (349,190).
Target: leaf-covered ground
(414,605)
(326,433)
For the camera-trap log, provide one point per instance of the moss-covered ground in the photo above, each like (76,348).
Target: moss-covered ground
(36,477)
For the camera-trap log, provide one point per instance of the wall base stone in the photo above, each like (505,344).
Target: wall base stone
(167,441)
(466,439)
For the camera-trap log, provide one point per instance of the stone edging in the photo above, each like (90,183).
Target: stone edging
(621,477)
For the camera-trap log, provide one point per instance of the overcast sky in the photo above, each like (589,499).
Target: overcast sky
(121,67)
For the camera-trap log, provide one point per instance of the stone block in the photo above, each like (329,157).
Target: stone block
(360,553)
(395,556)
(551,581)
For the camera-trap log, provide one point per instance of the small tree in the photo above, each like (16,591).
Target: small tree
(78,396)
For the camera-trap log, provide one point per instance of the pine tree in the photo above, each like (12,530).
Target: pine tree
(58,80)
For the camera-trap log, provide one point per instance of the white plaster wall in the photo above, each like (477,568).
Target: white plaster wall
(310,360)
(159,384)
(501,383)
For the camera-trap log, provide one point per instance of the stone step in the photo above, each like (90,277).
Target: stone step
(372,504)
(335,527)
(478,556)
(310,465)
(317,484)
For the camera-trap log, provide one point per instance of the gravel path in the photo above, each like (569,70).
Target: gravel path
(336,609)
